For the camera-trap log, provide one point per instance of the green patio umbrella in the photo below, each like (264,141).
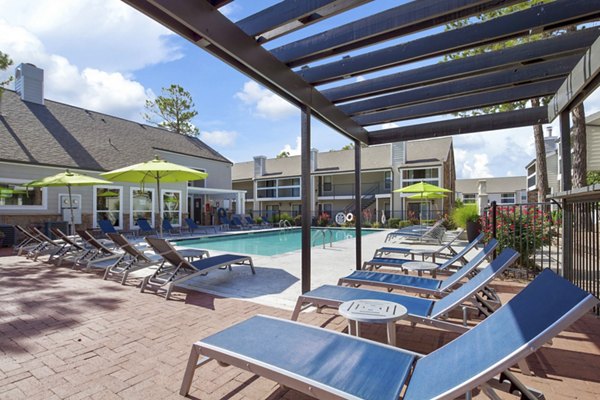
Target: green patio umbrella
(423,191)
(68,179)
(158,171)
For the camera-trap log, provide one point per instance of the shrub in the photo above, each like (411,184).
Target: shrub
(323,219)
(460,215)
(524,229)
(376,225)
(393,222)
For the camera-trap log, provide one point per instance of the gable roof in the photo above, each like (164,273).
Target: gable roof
(57,134)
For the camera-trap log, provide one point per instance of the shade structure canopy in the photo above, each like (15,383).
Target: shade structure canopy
(68,179)
(396,49)
(422,187)
(155,171)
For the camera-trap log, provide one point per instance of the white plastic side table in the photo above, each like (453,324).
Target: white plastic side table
(374,312)
(421,266)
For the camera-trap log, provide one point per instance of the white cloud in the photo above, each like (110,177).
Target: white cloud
(219,138)
(265,103)
(107,92)
(296,150)
(92,32)
(471,165)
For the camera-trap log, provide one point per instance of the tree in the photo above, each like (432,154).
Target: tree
(173,110)
(579,164)
(5,62)
(283,154)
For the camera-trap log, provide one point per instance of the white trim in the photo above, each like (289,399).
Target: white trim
(43,206)
(132,224)
(95,204)
(163,191)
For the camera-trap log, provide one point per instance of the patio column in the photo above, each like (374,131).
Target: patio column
(241,201)
(565,149)
(306,196)
(358,203)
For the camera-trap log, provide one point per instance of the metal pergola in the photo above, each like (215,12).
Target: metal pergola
(313,72)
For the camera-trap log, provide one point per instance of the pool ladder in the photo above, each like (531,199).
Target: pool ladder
(324,233)
(284,223)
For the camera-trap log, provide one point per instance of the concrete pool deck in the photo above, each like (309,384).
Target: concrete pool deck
(277,280)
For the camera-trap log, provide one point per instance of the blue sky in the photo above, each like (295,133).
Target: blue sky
(105,56)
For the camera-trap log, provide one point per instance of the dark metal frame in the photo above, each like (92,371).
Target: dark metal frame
(536,69)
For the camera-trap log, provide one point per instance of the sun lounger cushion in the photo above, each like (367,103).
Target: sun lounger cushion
(336,361)
(216,261)
(395,279)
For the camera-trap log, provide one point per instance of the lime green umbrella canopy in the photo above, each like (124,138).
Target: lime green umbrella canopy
(421,187)
(426,196)
(158,171)
(68,179)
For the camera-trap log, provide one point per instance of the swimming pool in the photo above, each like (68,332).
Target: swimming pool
(269,243)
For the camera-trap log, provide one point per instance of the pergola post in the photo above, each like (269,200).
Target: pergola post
(358,203)
(306,196)
(565,149)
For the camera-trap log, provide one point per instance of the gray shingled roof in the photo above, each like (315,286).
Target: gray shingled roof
(58,134)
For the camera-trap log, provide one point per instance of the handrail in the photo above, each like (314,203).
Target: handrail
(323,233)
(284,223)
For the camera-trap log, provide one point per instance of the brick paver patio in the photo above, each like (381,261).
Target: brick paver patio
(68,334)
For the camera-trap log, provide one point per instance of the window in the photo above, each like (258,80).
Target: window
(327,209)
(387,180)
(469,198)
(172,206)
(107,205)
(327,186)
(200,183)
(507,198)
(428,175)
(278,188)
(142,205)
(296,210)
(14,195)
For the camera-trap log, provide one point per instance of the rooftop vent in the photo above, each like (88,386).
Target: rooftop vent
(29,83)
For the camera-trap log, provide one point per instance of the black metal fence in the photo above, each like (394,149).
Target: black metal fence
(533,229)
(581,230)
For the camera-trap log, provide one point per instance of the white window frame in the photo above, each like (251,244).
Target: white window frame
(417,180)
(277,187)
(95,204)
(513,198)
(132,223)
(469,198)
(387,180)
(163,191)
(43,206)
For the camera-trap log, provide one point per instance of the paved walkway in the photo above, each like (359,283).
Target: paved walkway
(68,334)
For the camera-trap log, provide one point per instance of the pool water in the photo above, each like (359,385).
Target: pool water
(269,243)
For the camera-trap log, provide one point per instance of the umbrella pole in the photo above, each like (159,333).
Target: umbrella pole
(159,206)
(71,208)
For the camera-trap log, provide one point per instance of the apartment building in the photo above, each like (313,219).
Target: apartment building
(272,185)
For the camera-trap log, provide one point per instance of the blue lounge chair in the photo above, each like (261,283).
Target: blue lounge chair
(144,227)
(170,229)
(107,227)
(430,286)
(331,365)
(249,223)
(230,223)
(177,269)
(420,310)
(433,233)
(444,251)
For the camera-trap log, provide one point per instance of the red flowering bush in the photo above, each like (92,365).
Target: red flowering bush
(523,228)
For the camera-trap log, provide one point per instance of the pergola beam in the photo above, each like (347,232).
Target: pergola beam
(539,18)
(458,126)
(464,103)
(289,15)
(460,87)
(241,51)
(405,19)
(554,47)
(583,79)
